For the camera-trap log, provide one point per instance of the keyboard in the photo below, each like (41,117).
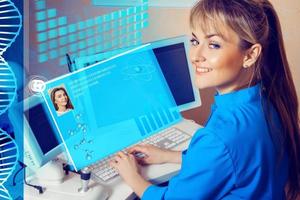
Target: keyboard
(167,139)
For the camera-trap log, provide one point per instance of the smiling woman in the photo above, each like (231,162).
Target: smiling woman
(250,146)
(218,60)
(61,100)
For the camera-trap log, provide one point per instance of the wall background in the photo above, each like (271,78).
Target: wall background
(169,22)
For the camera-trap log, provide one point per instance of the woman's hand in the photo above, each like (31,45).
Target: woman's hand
(128,169)
(155,155)
(126,165)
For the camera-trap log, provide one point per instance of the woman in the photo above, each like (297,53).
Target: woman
(61,100)
(249,148)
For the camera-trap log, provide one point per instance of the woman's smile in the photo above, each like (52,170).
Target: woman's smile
(202,70)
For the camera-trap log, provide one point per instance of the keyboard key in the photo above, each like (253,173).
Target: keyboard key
(167,139)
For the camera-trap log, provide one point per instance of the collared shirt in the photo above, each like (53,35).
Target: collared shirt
(235,156)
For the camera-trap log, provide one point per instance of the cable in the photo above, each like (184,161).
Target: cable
(23,166)
(69,63)
(15,175)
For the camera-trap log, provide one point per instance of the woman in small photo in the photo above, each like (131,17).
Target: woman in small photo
(61,101)
(250,147)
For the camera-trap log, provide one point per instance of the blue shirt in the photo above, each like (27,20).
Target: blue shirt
(234,157)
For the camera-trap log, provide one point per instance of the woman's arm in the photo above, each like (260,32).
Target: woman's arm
(127,167)
(173,156)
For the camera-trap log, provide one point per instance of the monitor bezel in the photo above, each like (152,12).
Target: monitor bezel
(31,145)
(185,40)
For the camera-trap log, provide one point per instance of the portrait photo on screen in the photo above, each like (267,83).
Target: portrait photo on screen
(60,99)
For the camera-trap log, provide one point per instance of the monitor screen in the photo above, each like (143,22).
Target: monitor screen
(171,54)
(41,128)
(174,65)
(41,141)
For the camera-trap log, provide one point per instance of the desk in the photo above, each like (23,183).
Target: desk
(118,188)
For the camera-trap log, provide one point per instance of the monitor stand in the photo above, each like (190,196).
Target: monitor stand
(60,187)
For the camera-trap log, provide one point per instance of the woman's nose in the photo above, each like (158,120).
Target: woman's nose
(197,55)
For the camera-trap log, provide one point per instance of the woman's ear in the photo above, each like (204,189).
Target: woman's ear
(251,55)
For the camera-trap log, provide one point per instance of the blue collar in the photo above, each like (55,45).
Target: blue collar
(239,97)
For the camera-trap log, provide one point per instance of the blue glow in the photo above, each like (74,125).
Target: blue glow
(102,113)
(52,23)
(52,44)
(63,41)
(8,86)
(62,30)
(81,35)
(81,45)
(62,21)
(40,5)
(81,25)
(42,47)
(53,54)
(51,13)
(52,33)
(95,27)
(41,26)
(9,156)
(90,22)
(63,51)
(72,28)
(62,61)
(90,41)
(73,47)
(72,38)
(99,20)
(41,37)
(41,15)
(43,58)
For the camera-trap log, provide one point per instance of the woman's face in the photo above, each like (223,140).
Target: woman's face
(61,99)
(217,60)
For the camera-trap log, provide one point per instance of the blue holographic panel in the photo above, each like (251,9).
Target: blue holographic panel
(115,104)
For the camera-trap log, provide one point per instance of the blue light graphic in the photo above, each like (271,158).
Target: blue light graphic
(9,157)
(10,26)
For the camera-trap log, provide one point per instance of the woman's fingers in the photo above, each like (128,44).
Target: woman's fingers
(137,148)
(121,154)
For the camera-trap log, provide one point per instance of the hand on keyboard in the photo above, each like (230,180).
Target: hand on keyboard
(149,154)
(145,153)
(125,164)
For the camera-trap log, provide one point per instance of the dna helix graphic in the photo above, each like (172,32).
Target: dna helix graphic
(10,26)
(8,160)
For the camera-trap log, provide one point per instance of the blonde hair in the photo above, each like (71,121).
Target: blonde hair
(255,21)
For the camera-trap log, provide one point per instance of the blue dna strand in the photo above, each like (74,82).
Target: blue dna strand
(10,26)
(4,193)
(8,160)
(8,86)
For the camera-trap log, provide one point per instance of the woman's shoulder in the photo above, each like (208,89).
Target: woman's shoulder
(241,124)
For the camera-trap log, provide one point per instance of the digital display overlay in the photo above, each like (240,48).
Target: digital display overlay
(106,107)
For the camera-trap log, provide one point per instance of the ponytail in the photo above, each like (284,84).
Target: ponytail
(279,89)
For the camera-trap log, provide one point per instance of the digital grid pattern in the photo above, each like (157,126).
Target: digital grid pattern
(56,36)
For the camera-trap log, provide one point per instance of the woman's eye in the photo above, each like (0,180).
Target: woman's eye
(214,46)
(194,42)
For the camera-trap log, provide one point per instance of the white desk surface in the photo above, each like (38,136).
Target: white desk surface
(118,188)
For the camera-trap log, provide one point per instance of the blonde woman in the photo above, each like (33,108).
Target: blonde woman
(249,148)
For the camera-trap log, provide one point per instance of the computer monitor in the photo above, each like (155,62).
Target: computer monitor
(172,56)
(41,140)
